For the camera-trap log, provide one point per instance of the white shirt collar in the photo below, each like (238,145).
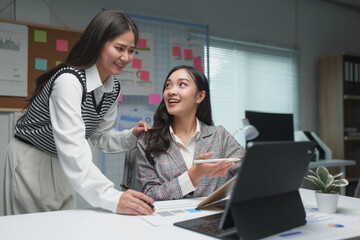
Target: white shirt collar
(93,80)
(196,134)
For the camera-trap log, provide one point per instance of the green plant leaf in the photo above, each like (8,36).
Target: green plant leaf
(338,175)
(329,188)
(340,183)
(312,172)
(319,184)
(329,181)
(322,173)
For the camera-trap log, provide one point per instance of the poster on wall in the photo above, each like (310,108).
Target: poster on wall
(187,52)
(138,77)
(128,117)
(13,59)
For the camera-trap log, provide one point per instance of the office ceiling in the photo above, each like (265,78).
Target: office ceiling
(351,4)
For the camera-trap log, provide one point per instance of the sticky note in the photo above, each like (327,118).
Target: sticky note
(197,63)
(188,54)
(40,36)
(192,210)
(136,63)
(144,75)
(142,43)
(120,99)
(61,45)
(176,51)
(57,63)
(40,64)
(154,98)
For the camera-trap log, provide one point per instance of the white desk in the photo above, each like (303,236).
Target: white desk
(96,224)
(334,163)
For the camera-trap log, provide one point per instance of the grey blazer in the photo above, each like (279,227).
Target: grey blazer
(160,181)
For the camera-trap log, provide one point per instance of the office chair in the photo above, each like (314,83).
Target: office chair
(357,190)
(131,169)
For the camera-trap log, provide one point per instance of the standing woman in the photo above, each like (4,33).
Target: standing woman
(183,130)
(49,156)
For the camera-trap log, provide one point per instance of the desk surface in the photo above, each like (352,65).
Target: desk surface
(332,163)
(97,224)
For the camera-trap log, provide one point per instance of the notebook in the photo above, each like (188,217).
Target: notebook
(265,198)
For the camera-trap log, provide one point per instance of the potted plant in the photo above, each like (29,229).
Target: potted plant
(326,197)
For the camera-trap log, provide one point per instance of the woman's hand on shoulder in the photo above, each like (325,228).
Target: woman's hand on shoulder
(140,127)
(134,203)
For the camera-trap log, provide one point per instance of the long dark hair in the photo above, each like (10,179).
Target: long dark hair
(104,27)
(158,138)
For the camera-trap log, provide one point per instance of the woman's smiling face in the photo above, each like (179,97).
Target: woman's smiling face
(181,95)
(115,55)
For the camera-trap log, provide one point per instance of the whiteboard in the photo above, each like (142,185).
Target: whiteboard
(138,76)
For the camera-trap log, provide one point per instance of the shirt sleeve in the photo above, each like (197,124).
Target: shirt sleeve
(110,140)
(186,184)
(74,152)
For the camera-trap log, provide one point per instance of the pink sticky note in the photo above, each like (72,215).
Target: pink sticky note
(188,54)
(176,51)
(136,63)
(144,75)
(197,63)
(154,98)
(61,45)
(142,43)
(120,97)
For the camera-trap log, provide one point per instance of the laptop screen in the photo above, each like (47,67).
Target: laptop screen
(272,126)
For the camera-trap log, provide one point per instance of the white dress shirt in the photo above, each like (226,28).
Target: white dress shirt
(187,153)
(74,152)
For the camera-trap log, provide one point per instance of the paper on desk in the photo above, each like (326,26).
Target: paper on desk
(323,226)
(169,212)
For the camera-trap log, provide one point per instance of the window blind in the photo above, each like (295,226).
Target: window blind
(253,77)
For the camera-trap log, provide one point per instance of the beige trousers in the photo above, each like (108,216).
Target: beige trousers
(34,181)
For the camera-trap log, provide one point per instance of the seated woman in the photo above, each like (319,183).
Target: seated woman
(183,131)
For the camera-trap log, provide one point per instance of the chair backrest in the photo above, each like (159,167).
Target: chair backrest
(131,169)
(357,190)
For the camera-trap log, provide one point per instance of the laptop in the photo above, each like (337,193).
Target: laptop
(265,199)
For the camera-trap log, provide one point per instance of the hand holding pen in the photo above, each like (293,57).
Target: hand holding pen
(133,202)
(219,168)
(148,203)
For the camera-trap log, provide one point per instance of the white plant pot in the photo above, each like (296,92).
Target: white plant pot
(327,202)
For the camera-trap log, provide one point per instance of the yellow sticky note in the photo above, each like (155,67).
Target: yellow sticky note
(57,63)
(40,36)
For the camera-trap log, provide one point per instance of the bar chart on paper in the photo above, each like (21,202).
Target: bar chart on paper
(170,212)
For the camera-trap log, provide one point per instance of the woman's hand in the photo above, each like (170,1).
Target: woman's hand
(133,203)
(218,169)
(140,127)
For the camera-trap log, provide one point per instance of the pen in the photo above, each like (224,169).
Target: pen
(216,160)
(126,187)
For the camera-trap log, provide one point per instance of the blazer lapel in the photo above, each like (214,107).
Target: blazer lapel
(202,144)
(175,155)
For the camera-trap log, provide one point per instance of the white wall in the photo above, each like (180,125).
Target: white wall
(313,27)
